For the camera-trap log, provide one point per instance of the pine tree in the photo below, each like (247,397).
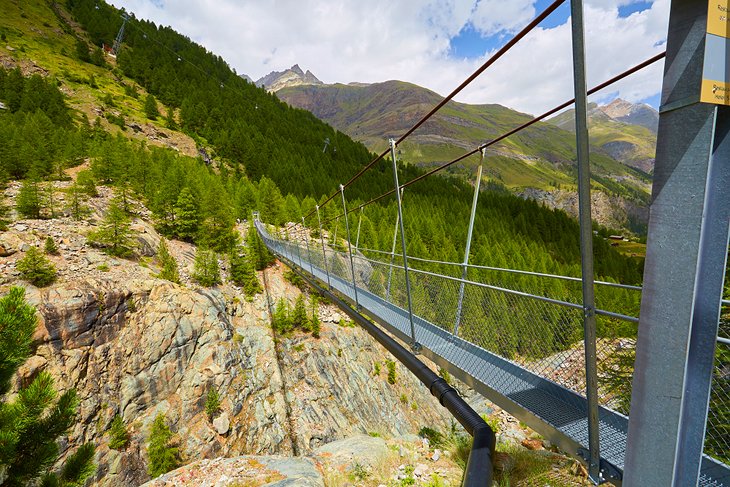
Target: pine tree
(170,119)
(212,403)
(207,272)
(30,200)
(282,321)
(258,252)
(150,107)
(36,268)
(187,216)
(50,246)
(76,198)
(31,422)
(163,456)
(4,210)
(168,264)
(237,267)
(251,284)
(97,57)
(87,184)
(118,434)
(299,315)
(115,235)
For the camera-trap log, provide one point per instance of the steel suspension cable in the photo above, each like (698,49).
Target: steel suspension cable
(494,58)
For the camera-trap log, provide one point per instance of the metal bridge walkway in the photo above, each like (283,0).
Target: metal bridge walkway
(551,409)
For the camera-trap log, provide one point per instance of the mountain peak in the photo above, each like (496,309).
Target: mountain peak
(632,113)
(294,76)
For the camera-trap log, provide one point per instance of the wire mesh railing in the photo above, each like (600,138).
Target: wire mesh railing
(717,437)
(534,324)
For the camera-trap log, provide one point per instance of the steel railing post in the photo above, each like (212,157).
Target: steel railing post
(306,240)
(414,343)
(392,254)
(359,222)
(349,247)
(299,253)
(586,237)
(465,266)
(324,254)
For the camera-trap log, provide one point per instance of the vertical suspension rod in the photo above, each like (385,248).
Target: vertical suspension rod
(309,252)
(324,254)
(586,236)
(414,343)
(465,265)
(357,238)
(392,254)
(349,246)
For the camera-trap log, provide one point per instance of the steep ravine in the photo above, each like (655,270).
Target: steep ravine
(139,348)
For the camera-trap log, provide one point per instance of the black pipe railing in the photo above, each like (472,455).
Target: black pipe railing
(478,472)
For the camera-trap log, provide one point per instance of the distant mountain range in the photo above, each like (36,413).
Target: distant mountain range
(542,157)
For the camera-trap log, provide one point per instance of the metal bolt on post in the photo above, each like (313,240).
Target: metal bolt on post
(306,240)
(414,344)
(324,254)
(349,247)
(465,265)
(586,236)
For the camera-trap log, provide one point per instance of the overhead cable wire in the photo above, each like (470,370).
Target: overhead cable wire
(496,56)
(530,122)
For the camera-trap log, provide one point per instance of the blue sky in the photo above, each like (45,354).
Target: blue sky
(470,43)
(433,43)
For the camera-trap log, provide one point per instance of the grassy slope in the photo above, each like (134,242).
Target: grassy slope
(603,130)
(43,38)
(540,156)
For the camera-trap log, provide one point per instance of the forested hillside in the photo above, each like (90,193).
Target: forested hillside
(263,151)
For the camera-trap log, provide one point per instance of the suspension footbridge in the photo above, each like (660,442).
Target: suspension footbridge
(454,312)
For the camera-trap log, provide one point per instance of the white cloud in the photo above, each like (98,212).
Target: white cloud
(350,40)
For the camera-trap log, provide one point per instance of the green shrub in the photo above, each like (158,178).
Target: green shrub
(36,268)
(391,371)
(376,369)
(31,200)
(299,315)
(118,434)
(50,246)
(206,271)
(115,234)
(168,263)
(163,455)
(212,403)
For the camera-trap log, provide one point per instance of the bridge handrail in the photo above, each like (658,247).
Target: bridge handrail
(513,271)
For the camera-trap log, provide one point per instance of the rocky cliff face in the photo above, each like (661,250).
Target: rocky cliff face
(609,211)
(135,345)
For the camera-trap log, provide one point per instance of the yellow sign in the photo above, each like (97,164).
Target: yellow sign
(715,92)
(716,69)
(718,18)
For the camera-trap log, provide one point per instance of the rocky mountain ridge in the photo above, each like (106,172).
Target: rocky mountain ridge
(294,76)
(632,113)
(623,130)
